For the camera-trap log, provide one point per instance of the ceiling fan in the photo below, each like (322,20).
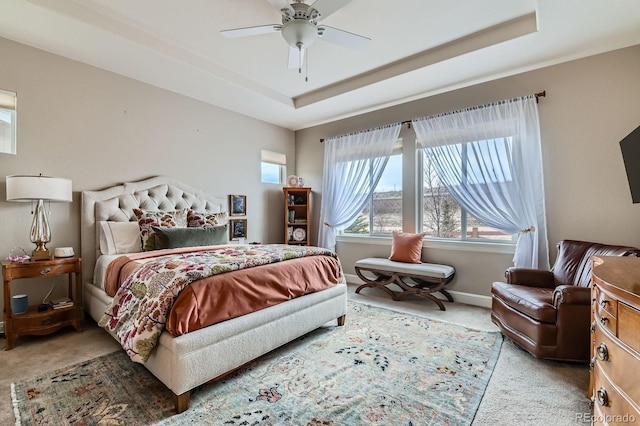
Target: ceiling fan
(300,28)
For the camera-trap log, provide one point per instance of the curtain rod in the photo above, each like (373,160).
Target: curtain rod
(537,95)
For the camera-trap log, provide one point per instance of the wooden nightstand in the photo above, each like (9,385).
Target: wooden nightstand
(50,320)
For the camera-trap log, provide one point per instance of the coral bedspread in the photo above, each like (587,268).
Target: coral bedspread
(188,289)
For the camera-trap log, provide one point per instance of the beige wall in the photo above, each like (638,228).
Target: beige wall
(98,129)
(591,104)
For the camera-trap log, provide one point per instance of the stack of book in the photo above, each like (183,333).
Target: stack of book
(62,302)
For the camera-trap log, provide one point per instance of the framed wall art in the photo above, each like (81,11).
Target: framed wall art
(237,229)
(237,205)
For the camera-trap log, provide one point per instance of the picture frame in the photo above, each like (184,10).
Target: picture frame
(237,229)
(237,205)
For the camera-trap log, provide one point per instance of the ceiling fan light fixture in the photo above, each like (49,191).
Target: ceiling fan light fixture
(299,31)
(300,28)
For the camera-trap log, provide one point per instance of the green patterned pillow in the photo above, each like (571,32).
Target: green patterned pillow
(166,238)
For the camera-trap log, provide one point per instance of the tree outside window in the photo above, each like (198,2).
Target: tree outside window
(442,216)
(383,213)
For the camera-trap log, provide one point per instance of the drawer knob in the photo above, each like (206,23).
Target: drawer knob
(592,363)
(603,303)
(45,271)
(603,320)
(593,327)
(601,396)
(603,352)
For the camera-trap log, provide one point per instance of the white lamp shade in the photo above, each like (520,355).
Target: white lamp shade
(29,188)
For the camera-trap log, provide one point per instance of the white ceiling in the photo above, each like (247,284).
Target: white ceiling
(418,47)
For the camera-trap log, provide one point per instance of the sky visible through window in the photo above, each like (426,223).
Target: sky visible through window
(270,173)
(5,115)
(391,179)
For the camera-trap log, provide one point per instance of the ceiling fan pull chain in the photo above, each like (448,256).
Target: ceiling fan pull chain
(306,69)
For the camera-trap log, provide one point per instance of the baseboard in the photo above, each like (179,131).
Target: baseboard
(471,299)
(1,327)
(458,296)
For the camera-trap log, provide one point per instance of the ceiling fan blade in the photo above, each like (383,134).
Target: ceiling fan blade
(343,38)
(251,31)
(295,56)
(327,7)
(281,4)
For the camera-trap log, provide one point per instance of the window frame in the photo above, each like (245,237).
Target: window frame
(463,212)
(397,150)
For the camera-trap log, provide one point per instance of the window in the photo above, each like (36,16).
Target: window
(273,167)
(441,215)
(383,213)
(7,122)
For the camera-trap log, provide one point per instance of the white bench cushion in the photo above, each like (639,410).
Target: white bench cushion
(432,270)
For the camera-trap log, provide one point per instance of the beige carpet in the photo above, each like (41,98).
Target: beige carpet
(522,390)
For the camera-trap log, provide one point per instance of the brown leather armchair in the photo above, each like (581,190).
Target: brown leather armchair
(548,313)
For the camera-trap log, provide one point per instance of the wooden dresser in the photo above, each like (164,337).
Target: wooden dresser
(615,335)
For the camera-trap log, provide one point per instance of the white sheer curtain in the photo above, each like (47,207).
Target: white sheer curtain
(489,159)
(353,165)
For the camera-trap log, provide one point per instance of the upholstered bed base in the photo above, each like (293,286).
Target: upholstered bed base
(187,361)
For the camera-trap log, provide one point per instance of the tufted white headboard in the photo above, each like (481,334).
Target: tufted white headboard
(117,204)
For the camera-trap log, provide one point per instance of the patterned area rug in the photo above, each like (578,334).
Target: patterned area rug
(383,367)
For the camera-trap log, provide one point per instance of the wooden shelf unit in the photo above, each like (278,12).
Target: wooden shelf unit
(297,215)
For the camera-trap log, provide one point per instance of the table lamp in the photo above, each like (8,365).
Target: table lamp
(39,189)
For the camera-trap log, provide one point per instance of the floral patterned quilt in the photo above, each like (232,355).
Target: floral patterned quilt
(139,310)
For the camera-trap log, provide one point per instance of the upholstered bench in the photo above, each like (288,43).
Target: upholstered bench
(420,279)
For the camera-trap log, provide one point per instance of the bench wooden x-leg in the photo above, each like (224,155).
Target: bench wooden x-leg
(424,281)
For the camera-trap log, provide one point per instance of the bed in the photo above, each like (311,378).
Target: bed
(189,360)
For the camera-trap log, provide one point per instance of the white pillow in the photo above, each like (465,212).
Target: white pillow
(119,237)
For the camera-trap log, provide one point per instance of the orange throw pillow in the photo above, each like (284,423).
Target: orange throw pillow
(406,247)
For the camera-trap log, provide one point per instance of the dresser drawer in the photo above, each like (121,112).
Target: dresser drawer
(609,406)
(629,326)
(604,302)
(614,360)
(600,418)
(43,269)
(606,320)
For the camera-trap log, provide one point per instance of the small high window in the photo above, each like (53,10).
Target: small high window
(8,102)
(273,167)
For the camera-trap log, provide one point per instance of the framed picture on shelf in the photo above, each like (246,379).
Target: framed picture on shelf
(237,205)
(237,229)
